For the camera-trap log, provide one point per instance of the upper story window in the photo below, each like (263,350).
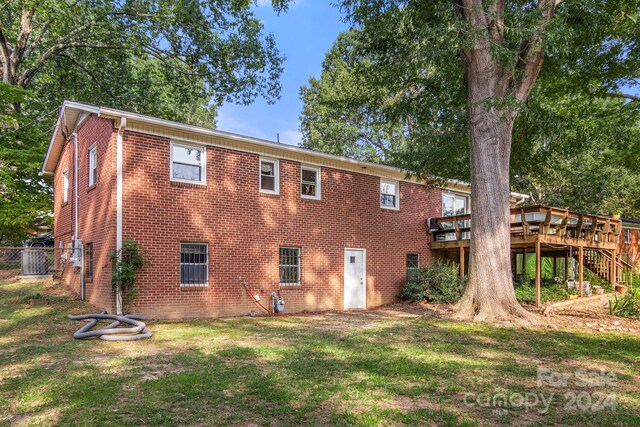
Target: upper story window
(93,165)
(65,186)
(269,176)
(389,194)
(453,204)
(188,163)
(310,182)
(627,236)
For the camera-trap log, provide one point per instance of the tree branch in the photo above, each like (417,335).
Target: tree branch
(28,74)
(4,56)
(533,53)
(90,74)
(628,96)
(23,37)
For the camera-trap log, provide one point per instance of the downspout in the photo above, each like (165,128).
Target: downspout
(119,155)
(76,247)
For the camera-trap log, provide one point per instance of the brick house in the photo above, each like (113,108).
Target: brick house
(209,207)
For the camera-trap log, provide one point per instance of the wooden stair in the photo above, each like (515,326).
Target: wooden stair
(599,261)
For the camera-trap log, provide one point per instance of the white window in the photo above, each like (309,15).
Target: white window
(289,266)
(452,205)
(188,164)
(413,266)
(389,194)
(627,236)
(310,182)
(93,165)
(194,264)
(269,176)
(65,186)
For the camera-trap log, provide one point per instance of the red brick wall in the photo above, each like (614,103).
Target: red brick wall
(96,207)
(244,229)
(631,251)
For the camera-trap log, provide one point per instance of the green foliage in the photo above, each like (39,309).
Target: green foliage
(550,291)
(524,279)
(627,305)
(125,265)
(576,141)
(343,112)
(596,280)
(24,195)
(437,282)
(175,60)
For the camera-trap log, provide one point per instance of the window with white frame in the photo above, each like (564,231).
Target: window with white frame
(269,176)
(289,261)
(65,186)
(93,165)
(627,236)
(310,182)
(194,264)
(188,163)
(413,266)
(389,194)
(452,205)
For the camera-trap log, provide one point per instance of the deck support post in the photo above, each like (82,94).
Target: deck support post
(538,279)
(614,259)
(566,266)
(581,269)
(461,261)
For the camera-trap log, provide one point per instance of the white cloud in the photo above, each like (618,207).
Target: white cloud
(291,137)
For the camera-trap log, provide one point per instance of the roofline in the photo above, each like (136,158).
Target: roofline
(113,113)
(71,104)
(117,114)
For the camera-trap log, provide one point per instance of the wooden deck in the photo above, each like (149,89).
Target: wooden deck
(533,225)
(541,229)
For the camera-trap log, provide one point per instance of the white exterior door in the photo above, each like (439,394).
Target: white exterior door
(355,286)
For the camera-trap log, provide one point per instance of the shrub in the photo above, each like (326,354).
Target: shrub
(626,306)
(437,282)
(125,263)
(550,291)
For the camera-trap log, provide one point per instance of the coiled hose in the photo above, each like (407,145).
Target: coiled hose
(111,332)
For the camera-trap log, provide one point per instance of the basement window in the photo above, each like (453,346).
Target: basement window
(194,264)
(310,182)
(289,266)
(413,266)
(188,164)
(389,194)
(93,165)
(269,176)
(88,263)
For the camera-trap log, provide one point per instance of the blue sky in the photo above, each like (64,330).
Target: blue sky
(303,34)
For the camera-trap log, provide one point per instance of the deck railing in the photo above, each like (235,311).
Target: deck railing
(535,221)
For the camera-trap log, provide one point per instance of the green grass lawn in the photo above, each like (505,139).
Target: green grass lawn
(373,368)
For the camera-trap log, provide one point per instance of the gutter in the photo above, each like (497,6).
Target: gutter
(119,190)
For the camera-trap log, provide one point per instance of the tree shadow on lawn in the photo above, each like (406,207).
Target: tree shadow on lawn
(297,371)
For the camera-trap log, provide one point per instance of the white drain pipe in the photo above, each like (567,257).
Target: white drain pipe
(119,156)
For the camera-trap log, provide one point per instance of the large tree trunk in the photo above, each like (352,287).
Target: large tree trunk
(490,295)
